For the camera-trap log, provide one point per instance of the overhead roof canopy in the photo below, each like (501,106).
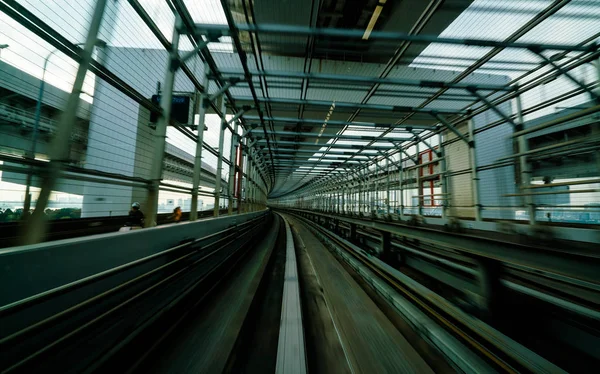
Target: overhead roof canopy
(329,80)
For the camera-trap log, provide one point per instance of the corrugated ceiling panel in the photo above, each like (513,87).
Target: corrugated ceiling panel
(396,101)
(278,63)
(205,11)
(331,95)
(483,20)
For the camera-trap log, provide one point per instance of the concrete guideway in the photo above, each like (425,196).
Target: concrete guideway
(410,298)
(290,352)
(369,341)
(207,339)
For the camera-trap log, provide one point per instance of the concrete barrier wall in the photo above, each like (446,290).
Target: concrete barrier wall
(29,270)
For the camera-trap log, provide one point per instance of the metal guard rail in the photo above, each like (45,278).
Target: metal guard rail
(110,308)
(505,353)
(578,266)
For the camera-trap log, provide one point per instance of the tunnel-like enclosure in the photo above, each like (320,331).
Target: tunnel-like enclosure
(444,153)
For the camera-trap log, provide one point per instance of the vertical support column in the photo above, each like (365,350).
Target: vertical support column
(490,289)
(387,185)
(331,201)
(254,187)
(401,186)
(443,177)
(204,103)
(377,187)
(596,126)
(240,179)
(344,190)
(232,157)
(251,186)
(522,147)
(161,127)
(359,192)
(353,232)
(365,191)
(247,183)
(35,228)
(370,190)
(220,157)
(386,246)
(419,189)
(474,174)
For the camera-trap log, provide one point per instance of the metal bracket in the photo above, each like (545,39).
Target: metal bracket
(221,91)
(192,53)
(240,113)
(450,127)
(416,161)
(437,152)
(473,91)
(562,71)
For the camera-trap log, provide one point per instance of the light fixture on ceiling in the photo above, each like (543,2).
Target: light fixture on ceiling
(329,113)
(373,19)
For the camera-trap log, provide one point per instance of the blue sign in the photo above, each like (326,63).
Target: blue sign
(180,109)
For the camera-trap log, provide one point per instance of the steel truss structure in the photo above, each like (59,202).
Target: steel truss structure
(299,147)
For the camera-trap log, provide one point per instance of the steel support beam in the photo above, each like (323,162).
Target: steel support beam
(525,168)
(401,185)
(355,79)
(494,108)
(451,127)
(232,167)
(220,91)
(435,151)
(335,136)
(389,36)
(443,178)
(203,105)
(419,186)
(219,172)
(160,133)
(60,147)
(474,175)
(414,160)
(341,146)
(594,96)
(350,105)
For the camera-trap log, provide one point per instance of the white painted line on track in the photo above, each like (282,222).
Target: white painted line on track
(337,331)
(291,353)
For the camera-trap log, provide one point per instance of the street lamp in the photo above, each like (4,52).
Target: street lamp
(38,110)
